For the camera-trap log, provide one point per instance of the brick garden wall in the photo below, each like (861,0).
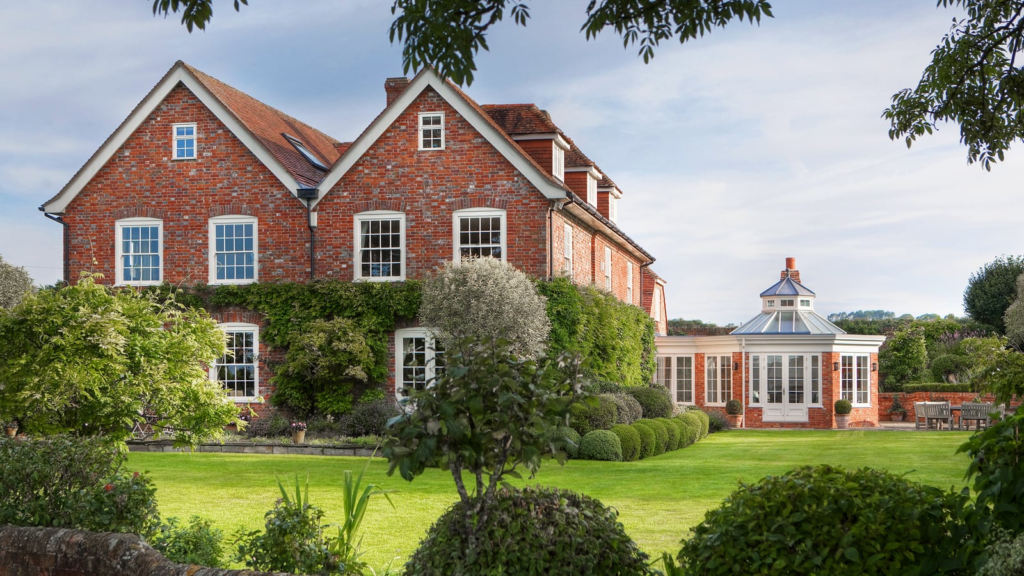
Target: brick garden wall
(61,552)
(954,398)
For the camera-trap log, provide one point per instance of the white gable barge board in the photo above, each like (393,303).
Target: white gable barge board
(428,78)
(178,74)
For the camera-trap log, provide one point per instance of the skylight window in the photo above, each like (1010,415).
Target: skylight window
(306,153)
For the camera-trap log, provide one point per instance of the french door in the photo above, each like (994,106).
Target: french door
(786,387)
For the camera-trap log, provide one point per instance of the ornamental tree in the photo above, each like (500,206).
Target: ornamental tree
(490,414)
(992,289)
(15,283)
(1014,317)
(483,299)
(904,357)
(89,360)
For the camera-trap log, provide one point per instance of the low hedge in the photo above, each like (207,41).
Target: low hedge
(705,423)
(672,444)
(601,445)
(594,413)
(568,440)
(937,387)
(628,410)
(690,428)
(654,400)
(660,434)
(629,440)
(647,439)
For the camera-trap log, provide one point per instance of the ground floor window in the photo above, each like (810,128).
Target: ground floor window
(854,380)
(237,370)
(785,378)
(679,382)
(419,359)
(717,379)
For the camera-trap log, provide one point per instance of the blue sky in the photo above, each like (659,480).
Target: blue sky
(733,152)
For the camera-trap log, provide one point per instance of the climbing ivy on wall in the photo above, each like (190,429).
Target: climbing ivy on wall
(616,340)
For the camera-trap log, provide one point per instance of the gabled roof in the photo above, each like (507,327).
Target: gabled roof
(519,119)
(259,127)
(476,116)
(787,287)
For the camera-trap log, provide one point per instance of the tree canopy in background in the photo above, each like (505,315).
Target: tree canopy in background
(861,315)
(88,360)
(1014,317)
(15,283)
(992,289)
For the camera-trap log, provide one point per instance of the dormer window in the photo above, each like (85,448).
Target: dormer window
(592,190)
(787,302)
(306,153)
(431,130)
(557,161)
(184,141)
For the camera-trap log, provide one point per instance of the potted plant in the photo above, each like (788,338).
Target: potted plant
(734,413)
(298,432)
(843,409)
(11,429)
(897,412)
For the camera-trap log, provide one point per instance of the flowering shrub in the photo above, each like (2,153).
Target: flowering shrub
(197,542)
(298,426)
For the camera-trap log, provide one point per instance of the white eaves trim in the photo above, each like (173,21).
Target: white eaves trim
(588,169)
(559,141)
(429,78)
(611,190)
(142,112)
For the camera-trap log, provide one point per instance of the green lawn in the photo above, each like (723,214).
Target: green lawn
(659,499)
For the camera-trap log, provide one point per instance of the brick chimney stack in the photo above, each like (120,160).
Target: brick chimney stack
(394,87)
(790,270)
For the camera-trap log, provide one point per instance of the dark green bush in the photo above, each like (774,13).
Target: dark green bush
(705,422)
(733,407)
(601,445)
(827,520)
(627,409)
(293,539)
(269,426)
(629,440)
(593,413)
(950,365)
(690,428)
(370,418)
(654,401)
(672,444)
(660,434)
(60,481)
(997,469)
(198,542)
(716,422)
(647,439)
(937,387)
(843,406)
(568,440)
(533,531)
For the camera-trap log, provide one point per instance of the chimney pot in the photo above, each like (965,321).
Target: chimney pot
(790,263)
(394,87)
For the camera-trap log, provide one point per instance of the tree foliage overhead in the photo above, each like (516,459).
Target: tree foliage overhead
(15,283)
(974,80)
(87,360)
(992,289)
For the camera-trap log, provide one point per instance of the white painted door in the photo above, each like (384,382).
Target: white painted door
(786,391)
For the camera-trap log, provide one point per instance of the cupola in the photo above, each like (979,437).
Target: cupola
(788,308)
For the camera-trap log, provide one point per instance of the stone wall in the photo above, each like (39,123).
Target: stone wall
(61,552)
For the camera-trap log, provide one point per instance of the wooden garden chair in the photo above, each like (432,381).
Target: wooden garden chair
(977,412)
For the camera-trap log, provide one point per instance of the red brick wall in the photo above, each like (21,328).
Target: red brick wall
(907,400)
(602,203)
(540,150)
(225,178)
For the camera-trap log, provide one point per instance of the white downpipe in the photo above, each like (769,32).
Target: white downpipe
(743,376)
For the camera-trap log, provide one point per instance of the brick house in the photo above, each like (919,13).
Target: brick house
(787,365)
(204,184)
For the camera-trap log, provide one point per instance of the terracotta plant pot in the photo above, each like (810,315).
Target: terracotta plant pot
(897,416)
(842,421)
(11,431)
(299,437)
(735,420)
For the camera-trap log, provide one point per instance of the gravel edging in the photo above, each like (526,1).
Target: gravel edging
(251,448)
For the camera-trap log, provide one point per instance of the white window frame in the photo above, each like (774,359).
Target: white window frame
(759,380)
(234,219)
(656,304)
(608,268)
(676,381)
(613,208)
(429,366)
(357,253)
(591,190)
(769,303)
(855,388)
(119,250)
(629,281)
(567,256)
(242,327)
(723,393)
(786,303)
(175,138)
(478,213)
(805,303)
(557,161)
(420,127)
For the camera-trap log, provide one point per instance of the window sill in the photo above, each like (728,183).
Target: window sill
(182,159)
(232,282)
(380,279)
(129,284)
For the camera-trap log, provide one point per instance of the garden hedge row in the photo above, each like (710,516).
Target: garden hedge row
(641,439)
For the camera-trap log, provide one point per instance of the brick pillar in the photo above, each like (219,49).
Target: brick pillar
(830,386)
(698,379)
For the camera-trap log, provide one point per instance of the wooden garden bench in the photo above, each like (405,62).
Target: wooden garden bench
(976,412)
